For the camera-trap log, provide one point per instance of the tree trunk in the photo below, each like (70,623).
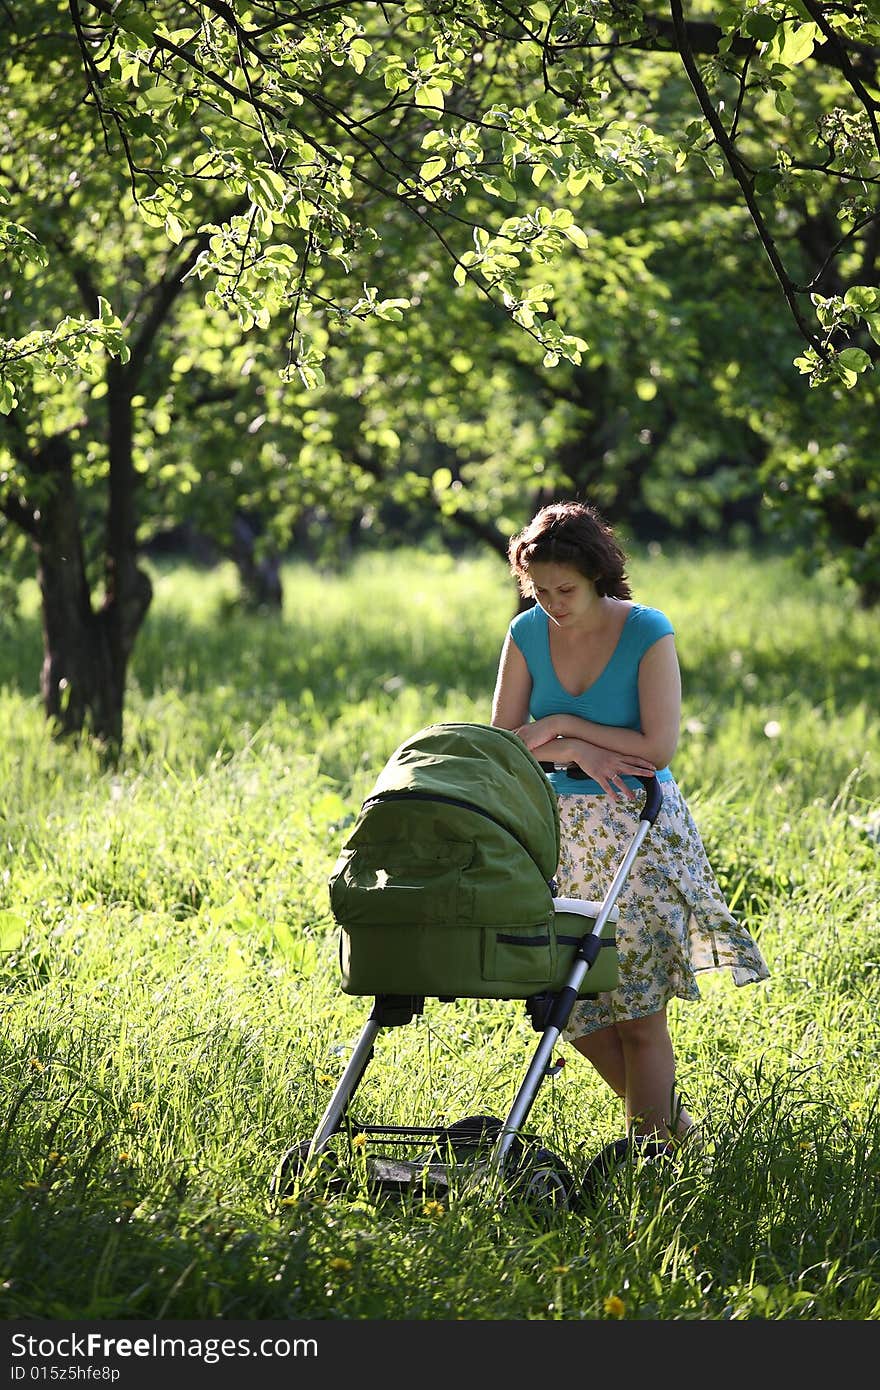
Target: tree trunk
(85,651)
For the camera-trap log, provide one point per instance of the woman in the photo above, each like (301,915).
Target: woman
(590,682)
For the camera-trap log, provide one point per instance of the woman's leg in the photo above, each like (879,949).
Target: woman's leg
(604,1049)
(652,1104)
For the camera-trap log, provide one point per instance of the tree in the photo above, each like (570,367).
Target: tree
(260,160)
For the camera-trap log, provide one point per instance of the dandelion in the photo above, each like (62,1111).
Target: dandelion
(136,1108)
(56,1157)
(36,1065)
(614,1306)
(340,1265)
(433,1208)
(124,1156)
(325,1078)
(772,729)
(359,1141)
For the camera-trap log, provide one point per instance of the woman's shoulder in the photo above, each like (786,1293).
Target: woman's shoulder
(648,624)
(527,621)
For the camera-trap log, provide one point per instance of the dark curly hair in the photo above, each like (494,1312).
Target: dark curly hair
(571,533)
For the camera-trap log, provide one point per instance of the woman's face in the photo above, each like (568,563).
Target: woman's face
(564,593)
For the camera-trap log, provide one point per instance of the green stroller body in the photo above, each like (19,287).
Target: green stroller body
(444,888)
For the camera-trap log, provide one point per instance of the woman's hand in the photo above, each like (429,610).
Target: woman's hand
(604,765)
(539,732)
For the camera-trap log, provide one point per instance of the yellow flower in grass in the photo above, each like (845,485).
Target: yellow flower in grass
(614,1306)
(359,1141)
(340,1265)
(57,1158)
(325,1078)
(433,1208)
(136,1108)
(124,1156)
(36,1065)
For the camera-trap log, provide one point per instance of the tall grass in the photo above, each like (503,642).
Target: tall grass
(173,1017)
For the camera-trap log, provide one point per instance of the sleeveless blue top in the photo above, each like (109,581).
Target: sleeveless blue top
(613,697)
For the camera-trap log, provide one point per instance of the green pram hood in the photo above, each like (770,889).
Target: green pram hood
(489,768)
(443,885)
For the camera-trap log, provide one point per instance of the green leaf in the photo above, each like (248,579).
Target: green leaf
(783,100)
(158,97)
(579,178)
(793,43)
(854,359)
(873,322)
(174,229)
(432,168)
(136,23)
(502,188)
(766,180)
(429,96)
(864,298)
(761,26)
(577,236)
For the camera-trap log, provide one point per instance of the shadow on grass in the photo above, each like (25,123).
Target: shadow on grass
(106,1259)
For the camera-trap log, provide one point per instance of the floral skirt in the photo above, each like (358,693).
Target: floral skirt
(674,921)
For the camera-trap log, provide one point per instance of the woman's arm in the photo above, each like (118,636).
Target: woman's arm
(513,687)
(659,703)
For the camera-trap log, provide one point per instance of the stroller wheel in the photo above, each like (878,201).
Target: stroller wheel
(292,1165)
(610,1159)
(542,1179)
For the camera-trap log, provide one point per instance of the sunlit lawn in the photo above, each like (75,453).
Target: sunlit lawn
(173,1018)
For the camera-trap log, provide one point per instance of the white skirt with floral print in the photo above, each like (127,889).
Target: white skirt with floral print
(674,920)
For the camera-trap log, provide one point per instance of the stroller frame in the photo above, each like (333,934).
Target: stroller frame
(549,1013)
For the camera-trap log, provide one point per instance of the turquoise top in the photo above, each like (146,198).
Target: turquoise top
(613,697)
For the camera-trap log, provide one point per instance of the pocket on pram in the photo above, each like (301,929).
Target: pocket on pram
(521,954)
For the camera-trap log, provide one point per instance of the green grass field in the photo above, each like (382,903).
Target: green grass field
(173,1017)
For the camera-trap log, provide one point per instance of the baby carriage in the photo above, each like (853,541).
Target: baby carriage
(444,888)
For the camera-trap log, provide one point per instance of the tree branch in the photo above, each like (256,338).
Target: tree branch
(742,175)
